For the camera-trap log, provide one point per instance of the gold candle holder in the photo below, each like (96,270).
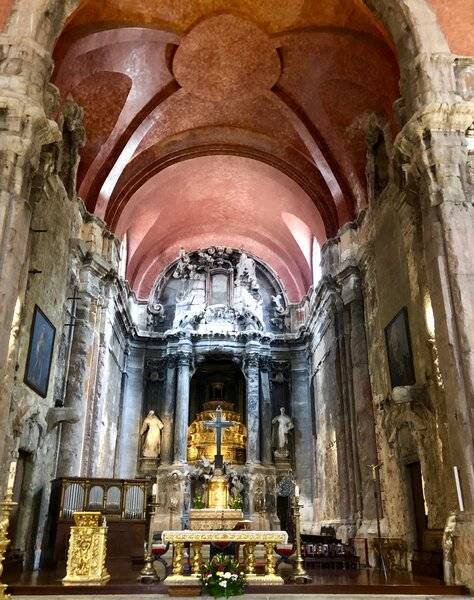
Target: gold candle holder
(148,574)
(299,573)
(6,508)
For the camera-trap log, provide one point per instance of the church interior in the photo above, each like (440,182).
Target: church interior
(236,295)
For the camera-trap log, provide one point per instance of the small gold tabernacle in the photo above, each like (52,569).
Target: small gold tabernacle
(87,550)
(218,491)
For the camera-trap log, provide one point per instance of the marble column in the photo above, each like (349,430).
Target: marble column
(253,407)
(266,412)
(304,438)
(182,404)
(168,411)
(130,422)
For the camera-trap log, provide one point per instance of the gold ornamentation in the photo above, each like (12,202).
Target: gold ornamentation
(5,509)
(218,492)
(202,441)
(258,537)
(270,559)
(249,559)
(209,519)
(197,557)
(178,558)
(87,551)
(249,538)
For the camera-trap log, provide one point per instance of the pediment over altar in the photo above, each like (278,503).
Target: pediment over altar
(218,290)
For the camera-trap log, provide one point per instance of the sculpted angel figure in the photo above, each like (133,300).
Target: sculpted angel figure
(151,431)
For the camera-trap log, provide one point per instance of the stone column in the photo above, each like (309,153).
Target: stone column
(168,411)
(304,438)
(253,405)
(363,404)
(362,428)
(266,412)
(130,422)
(79,384)
(182,403)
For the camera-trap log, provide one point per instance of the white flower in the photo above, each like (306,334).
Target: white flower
(234,577)
(223,584)
(227,575)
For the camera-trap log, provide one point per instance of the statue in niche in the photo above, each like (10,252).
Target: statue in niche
(278,302)
(246,272)
(151,431)
(282,425)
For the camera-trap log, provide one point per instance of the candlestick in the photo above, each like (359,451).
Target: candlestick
(11,475)
(297,491)
(148,574)
(5,509)
(457,480)
(299,573)
(154,489)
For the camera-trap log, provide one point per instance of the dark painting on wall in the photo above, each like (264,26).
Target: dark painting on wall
(399,354)
(40,353)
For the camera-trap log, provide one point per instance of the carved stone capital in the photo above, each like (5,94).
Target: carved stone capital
(184,359)
(171,361)
(251,361)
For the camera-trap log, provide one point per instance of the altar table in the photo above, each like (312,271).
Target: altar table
(249,539)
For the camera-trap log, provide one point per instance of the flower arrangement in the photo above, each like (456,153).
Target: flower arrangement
(235,503)
(222,577)
(198,502)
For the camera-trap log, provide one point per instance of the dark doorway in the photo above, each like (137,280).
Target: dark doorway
(418,503)
(427,553)
(284,514)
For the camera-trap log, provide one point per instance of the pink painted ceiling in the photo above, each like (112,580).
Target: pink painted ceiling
(225,122)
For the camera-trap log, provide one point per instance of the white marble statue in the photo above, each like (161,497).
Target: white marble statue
(246,271)
(282,425)
(151,432)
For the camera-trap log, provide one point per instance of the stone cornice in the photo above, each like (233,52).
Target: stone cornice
(455,118)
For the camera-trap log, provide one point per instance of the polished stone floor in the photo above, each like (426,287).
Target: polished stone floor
(247,596)
(364,583)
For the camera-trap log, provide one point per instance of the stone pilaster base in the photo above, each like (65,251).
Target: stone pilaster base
(173,497)
(458,550)
(261,502)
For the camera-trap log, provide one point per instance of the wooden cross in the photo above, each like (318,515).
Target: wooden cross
(218,424)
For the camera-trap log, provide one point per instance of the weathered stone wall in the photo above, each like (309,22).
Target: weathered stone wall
(48,286)
(345,430)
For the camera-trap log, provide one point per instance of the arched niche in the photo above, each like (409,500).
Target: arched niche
(217,381)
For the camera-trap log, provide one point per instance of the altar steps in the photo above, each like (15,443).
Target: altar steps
(365,582)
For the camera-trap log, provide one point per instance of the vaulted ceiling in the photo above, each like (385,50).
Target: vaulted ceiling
(232,122)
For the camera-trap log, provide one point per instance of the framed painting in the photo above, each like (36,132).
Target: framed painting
(399,353)
(40,353)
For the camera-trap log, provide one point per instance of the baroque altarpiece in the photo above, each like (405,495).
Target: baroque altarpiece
(219,335)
